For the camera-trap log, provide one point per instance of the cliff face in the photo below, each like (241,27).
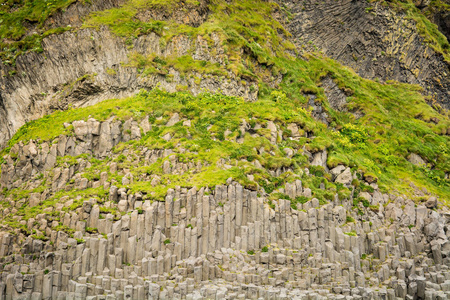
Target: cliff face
(372,39)
(442,19)
(224,150)
(86,67)
(100,228)
(438,12)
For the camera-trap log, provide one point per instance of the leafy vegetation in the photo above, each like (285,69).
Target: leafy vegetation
(15,13)
(215,125)
(351,233)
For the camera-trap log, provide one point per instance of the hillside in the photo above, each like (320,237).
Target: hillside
(224,149)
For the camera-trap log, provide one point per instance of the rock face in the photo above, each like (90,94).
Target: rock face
(83,68)
(225,242)
(335,96)
(375,41)
(438,12)
(442,19)
(416,160)
(81,216)
(345,177)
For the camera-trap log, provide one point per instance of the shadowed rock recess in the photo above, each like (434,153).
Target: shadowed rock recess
(220,149)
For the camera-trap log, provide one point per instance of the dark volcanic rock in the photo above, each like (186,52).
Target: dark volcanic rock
(375,41)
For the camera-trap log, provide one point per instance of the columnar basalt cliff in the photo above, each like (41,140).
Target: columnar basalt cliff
(83,68)
(219,149)
(223,242)
(374,40)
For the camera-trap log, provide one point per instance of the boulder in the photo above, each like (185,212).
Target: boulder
(80,128)
(338,170)
(173,120)
(294,130)
(345,177)
(431,203)
(370,178)
(320,159)
(273,131)
(155,180)
(35,199)
(416,160)
(123,205)
(145,125)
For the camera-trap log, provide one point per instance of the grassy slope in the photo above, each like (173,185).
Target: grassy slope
(377,144)
(396,118)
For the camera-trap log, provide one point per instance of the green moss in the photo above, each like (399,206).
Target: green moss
(185,64)
(111,72)
(91,230)
(242,27)
(11,50)
(392,107)
(65,229)
(374,208)
(14,14)
(13,32)
(40,237)
(122,23)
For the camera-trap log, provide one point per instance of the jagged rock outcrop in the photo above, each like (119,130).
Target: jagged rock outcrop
(231,244)
(437,12)
(83,68)
(442,19)
(74,14)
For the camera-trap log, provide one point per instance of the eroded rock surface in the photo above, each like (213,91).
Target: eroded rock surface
(83,68)
(373,40)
